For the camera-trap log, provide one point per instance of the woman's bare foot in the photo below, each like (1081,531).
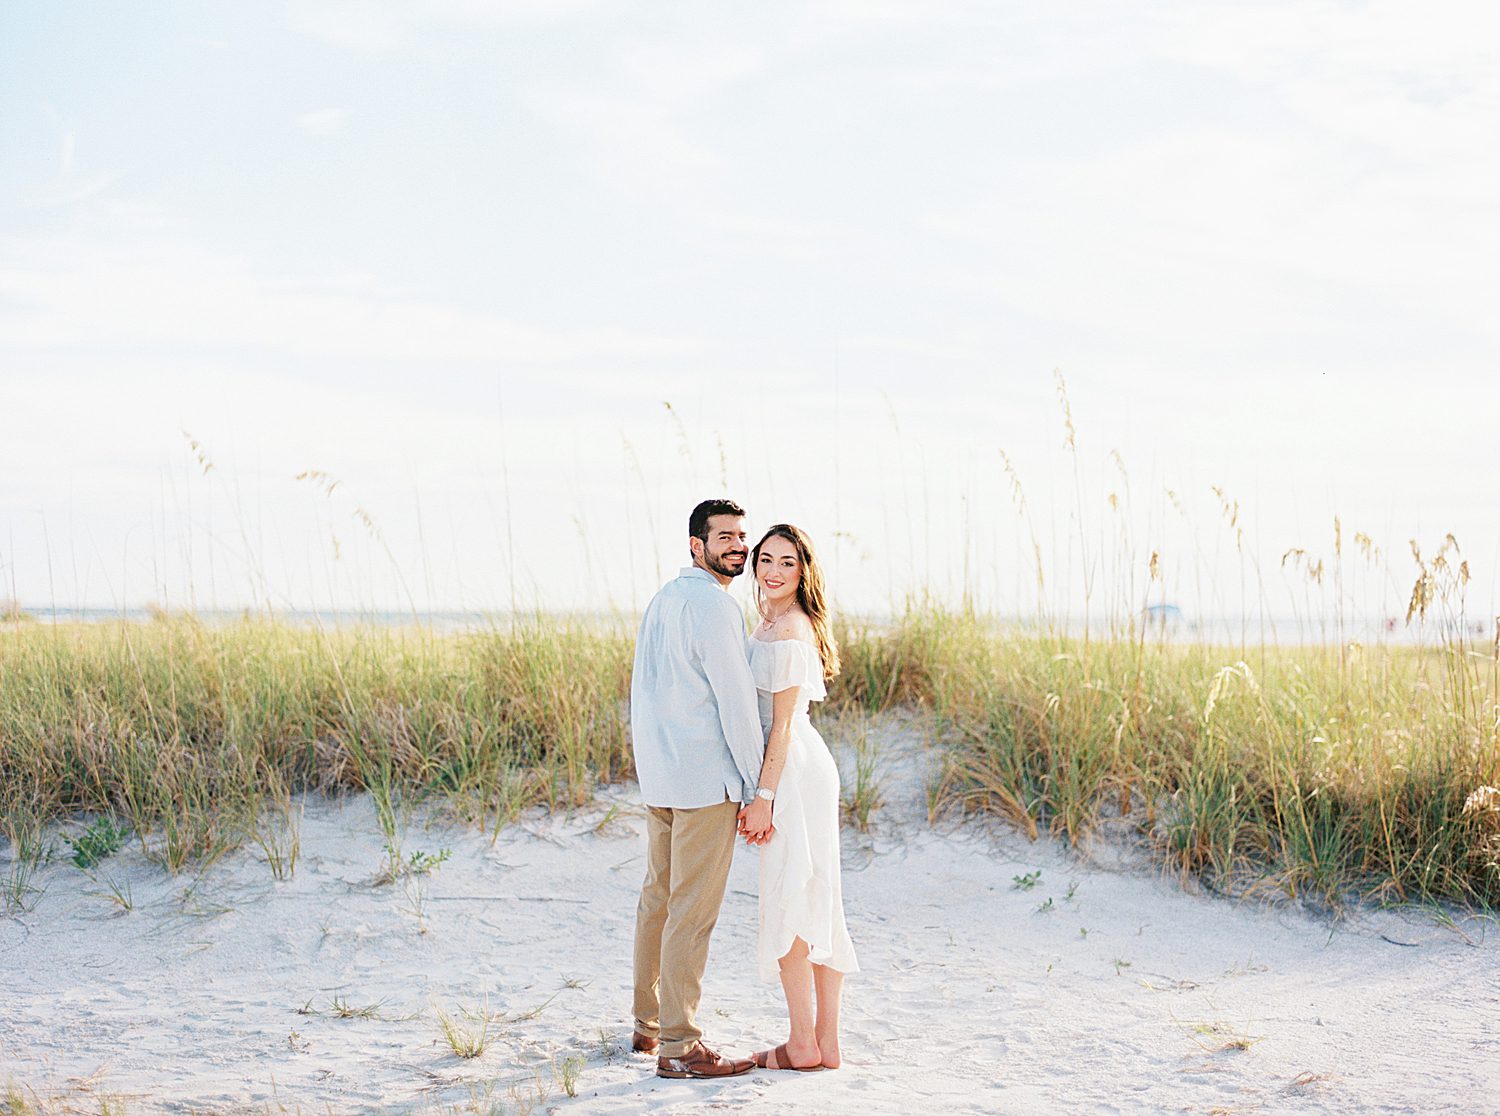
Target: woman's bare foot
(799,1055)
(829,1048)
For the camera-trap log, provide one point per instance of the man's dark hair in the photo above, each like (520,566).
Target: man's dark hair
(698,521)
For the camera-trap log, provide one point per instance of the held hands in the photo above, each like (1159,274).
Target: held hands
(754,822)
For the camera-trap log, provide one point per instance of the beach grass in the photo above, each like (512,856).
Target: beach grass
(1321,773)
(1326,773)
(192,734)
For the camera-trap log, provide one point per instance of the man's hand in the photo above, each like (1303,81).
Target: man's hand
(755,822)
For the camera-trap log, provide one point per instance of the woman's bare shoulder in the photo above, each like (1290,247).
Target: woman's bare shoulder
(794,625)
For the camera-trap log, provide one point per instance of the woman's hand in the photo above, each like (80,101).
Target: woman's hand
(755,822)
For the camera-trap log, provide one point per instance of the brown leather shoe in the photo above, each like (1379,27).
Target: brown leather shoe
(643,1044)
(700,1061)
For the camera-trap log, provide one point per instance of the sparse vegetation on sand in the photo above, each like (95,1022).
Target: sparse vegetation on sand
(1314,772)
(189,733)
(1309,772)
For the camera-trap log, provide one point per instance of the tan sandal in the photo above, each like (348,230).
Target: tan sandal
(783,1061)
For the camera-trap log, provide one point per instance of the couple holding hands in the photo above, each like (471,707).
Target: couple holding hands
(723,744)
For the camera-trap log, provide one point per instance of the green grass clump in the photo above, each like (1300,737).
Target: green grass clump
(185,730)
(103,838)
(1315,772)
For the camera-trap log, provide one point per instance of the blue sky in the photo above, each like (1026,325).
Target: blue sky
(460,255)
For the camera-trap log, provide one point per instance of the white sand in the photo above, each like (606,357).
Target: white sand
(1130,996)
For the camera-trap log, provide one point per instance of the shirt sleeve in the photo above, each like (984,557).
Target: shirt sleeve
(720,637)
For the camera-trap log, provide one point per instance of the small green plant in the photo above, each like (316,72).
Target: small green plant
(935,795)
(1218,1037)
(341,1008)
(482,1100)
(527,1100)
(510,794)
(16,1103)
(415,889)
(28,848)
(416,865)
(866,794)
(278,832)
(534,1012)
(194,905)
(567,1073)
(18,1100)
(422,863)
(1026,882)
(117,891)
(466,1040)
(1045,905)
(612,823)
(103,838)
(482,1014)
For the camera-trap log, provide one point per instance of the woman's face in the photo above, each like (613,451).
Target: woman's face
(778,570)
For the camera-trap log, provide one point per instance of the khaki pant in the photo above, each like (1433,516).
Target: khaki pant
(687,867)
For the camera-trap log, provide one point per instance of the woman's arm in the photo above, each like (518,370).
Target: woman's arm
(757,816)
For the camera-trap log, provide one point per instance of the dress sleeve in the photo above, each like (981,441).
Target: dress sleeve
(795,663)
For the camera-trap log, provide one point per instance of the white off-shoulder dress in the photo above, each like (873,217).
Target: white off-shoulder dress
(800,894)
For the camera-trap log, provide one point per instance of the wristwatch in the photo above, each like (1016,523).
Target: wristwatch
(766,793)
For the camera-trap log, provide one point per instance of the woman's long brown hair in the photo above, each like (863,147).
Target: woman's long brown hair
(812,596)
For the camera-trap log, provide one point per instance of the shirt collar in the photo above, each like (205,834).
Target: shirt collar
(700,572)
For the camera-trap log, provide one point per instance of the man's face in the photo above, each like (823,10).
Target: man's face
(725,551)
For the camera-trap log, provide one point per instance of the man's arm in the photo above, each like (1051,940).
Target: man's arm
(720,636)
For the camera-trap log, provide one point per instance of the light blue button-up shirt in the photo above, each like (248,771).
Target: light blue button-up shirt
(694,720)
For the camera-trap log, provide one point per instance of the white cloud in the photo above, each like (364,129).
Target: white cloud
(68,188)
(323,122)
(632,144)
(1355,175)
(72,191)
(383,26)
(1419,82)
(1259,238)
(638,118)
(68,295)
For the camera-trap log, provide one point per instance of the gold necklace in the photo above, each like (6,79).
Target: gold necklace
(772,621)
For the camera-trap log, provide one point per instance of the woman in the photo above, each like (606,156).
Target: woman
(802,933)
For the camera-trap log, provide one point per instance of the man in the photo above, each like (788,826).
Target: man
(695,728)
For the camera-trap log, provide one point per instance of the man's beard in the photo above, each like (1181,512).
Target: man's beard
(719,564)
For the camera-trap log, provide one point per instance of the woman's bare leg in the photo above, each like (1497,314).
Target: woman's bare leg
(829,984)
(797,983)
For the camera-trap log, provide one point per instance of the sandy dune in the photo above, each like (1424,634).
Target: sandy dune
(1095,989)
